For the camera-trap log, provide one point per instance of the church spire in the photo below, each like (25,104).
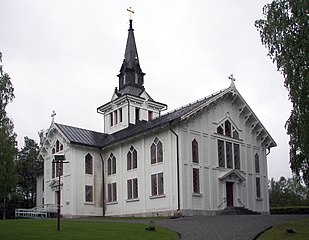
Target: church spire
(131,76)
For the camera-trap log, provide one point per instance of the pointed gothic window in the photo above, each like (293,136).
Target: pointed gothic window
(220,130)
(88,164)
(228,130)
(132,158)
(156,151)
(111,165)
(235,133)
(57,146)
(57,168)
(257,163)
(195,151)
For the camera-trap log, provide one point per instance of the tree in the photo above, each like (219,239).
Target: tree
(7,140)
(27,165)
(287,192)
(285,32)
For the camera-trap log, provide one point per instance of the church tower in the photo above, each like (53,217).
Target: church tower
(130,103)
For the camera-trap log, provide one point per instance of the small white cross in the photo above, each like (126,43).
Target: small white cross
(53,115)
(231,77)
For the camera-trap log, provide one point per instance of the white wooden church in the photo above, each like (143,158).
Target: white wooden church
(196,160)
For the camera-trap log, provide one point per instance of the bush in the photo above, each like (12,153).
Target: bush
(290,210)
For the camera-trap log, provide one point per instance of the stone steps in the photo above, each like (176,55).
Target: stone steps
(238,211)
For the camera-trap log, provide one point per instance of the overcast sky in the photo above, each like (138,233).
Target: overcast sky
(65,56)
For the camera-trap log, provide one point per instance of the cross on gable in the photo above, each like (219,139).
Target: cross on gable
(232,78)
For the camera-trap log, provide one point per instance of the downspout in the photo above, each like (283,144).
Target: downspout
(177,158)
(103,185)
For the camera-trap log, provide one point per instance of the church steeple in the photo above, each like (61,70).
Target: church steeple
(131,76)
(130,103)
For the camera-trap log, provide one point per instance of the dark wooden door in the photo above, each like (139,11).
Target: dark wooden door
(229,194)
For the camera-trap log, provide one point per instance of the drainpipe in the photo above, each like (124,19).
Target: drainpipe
(177,157)
(103,186)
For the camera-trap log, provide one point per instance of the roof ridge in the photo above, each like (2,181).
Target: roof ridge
(194,102)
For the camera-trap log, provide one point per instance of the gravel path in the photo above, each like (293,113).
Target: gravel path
(235,227)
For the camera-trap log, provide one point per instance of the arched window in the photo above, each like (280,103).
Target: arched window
(257,163)
(111,164)
(156,151)
(195,151)
(220,130)
(57,168)
(227,129)
(132,158)
(88,164)
(57,147)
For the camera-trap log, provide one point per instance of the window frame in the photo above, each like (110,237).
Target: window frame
(88,164)
(157,184)
(156,151)
(111,164)
(258,187)
(112,192)
(195,153)
(132,189)
(228,157)
(89,193)
(257,163)
(196,181)
(131,158)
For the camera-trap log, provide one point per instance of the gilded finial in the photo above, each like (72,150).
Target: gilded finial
(131,12)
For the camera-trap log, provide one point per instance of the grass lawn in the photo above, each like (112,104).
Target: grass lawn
(301,227)
(79,230)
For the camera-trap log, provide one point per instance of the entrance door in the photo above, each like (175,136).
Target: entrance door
(229,194)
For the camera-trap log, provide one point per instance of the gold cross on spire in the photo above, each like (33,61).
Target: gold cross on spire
(131,12)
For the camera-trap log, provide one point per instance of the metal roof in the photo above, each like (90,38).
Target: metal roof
(100,140)
(81,136)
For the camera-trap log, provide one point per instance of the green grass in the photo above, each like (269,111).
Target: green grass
(79,230)
(301,227)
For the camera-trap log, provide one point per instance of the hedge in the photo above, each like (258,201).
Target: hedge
(290,210)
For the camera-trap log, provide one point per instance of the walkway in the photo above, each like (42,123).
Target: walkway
(237,227)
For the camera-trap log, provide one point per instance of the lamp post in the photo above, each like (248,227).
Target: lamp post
(59,160)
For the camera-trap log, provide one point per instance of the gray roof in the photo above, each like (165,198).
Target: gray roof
(90,138)
(81,136)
